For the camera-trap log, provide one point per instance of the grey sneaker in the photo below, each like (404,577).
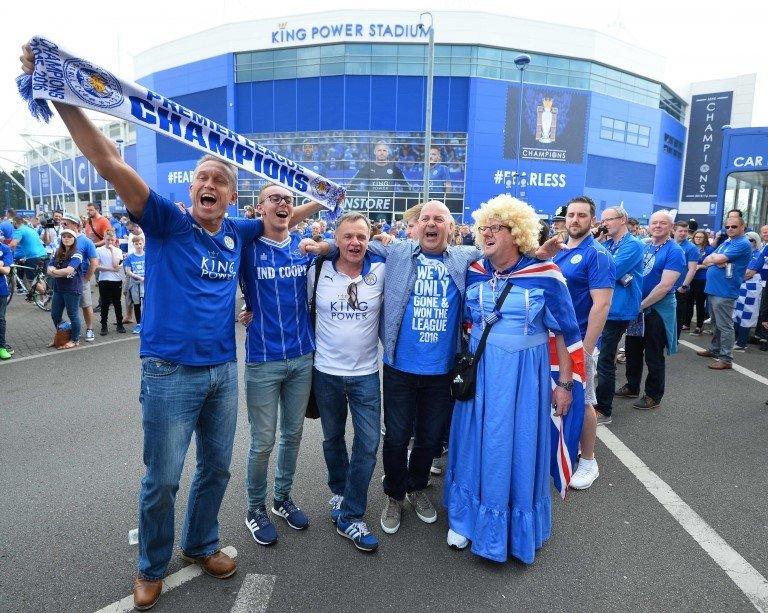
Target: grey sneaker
(421,503)
(390,516)
(602,419)
(437,466)
(89,336)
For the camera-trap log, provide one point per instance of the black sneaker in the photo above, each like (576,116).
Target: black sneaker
(625,392)
(104,331)
(121,329)
(646,403)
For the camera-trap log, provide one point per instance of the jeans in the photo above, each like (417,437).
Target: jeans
(683,300)
(721,310)
(349,477)
(283,383)
(3,308)
(427,399)
(72,301)
(176,401)
(742,336)
(698,297)
(652,344)
(606,364)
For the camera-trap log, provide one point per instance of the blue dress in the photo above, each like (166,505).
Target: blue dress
(497,489)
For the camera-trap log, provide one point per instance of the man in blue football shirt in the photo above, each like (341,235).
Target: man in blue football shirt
(691,252)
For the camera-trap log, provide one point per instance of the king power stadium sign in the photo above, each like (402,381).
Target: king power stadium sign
(346,31)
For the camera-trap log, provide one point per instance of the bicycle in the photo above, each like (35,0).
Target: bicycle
(41,289)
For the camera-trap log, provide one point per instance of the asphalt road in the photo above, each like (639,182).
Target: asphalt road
(71,437)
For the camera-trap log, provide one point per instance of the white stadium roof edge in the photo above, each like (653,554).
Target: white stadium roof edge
(451,27)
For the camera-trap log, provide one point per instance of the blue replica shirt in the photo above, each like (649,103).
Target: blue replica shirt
(701,274)
(760,263)
(87,249)
(274,281)
(136,263)
(69,284)
(739,252)
(627,256)
(190,284)
(657,259)
(30,245)
(6,257)
(586,267)
(427,340)
(438,175)
(691,253)
(6,230)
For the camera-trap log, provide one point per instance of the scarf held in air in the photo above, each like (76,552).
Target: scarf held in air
(61,77)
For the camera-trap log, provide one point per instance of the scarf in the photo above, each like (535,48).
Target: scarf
(530,273)
(62,77)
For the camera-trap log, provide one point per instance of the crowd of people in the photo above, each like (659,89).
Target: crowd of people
(541,316)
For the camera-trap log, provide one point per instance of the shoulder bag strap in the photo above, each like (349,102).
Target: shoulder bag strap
(487,330)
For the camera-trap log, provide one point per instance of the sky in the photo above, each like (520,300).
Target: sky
(698,44)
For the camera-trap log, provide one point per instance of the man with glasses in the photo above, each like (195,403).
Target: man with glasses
(278,354)
(627,253)
(348,299)
(725,272)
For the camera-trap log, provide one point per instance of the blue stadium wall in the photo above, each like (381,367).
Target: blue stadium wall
(642,178)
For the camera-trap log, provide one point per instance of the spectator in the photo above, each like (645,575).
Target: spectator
(627,253)
(380,175)
(558,221)
(747,307)
(684,281)
(6,226)
(50,236)
(88,268)
(110,260)
(726,266)
(467,238)
(134,272)
(633,226)
(655,328)
(28,249)
(134,230)
(346,371)
(6,259)
(96,225)
(439,176)
(698,297)
(411,219)
(65,268)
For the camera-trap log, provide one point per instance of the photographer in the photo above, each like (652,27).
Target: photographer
(627,253)
(51,234)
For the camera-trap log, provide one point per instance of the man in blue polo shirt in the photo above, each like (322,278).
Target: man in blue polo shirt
(189,373)
(725,272)
(589,270)
(683,288)
(655,329)
(28,249)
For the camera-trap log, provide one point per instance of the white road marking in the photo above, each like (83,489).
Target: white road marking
(171,581)
(741,572)
(744,371)
(83,345)
(254,594)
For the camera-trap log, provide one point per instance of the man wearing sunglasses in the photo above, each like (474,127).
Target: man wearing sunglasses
(725,272)
(278,354)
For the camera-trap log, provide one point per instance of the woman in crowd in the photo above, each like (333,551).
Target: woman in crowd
(698,297)
(67,276)
(497,483)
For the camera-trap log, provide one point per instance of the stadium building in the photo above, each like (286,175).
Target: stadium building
(344,93)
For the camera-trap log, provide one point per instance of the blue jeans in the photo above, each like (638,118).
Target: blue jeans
(283,383)
(427,399)
(606,364)
(72,301)
(349,478)
(742,336)
(723,333)
(176,401)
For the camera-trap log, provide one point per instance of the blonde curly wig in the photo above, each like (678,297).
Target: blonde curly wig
(516,214)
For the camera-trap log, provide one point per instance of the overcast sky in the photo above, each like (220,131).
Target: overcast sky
(699,43)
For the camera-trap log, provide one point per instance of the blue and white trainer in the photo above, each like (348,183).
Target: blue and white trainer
(261,527)
(335,503)
(358,533)
(292,514)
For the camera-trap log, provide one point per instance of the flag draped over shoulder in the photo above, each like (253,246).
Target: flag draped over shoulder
(61,77)
(566,431)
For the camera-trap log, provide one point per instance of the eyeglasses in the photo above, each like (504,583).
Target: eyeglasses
(352,297)
(731,227)
(495,228)
(276,198)
(752,240)
(612,218)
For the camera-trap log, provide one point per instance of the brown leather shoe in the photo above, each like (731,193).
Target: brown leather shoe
(218,565)
(720,365)
(146,593)
(706,353)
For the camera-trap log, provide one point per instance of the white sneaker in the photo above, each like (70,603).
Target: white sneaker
(585,474)
(456,541)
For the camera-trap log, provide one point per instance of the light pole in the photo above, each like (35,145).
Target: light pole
(428,114)
(521,61)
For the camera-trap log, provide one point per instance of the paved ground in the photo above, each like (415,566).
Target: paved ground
(71,448)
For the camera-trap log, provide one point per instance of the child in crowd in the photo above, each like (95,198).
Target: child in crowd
(134,271)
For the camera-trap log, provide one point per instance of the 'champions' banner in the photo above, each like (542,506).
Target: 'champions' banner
(62,77)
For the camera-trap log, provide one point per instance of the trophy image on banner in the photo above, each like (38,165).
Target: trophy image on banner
(546,121)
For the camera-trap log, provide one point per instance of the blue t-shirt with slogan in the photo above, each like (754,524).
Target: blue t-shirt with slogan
(719,283)
(87,249)
(427,341)
(586,267)
(190,282)
(136,263)
(658,258)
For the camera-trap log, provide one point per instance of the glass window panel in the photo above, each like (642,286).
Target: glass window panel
(645,131)
(606,122)
(557,62)
(510,74)
(358,67)
(619,125)
(332,68)
(358,49)
(535,77)
(596,86)
(332,50)
(383,67)
(244,75)
(442,51)
(606,134)
(632,139)
(538,59)
(285,72)
(262,74)
(618,136)
(489,53)
(284,54)
(555,79)
(460,70)
(579,66)
(307,53)
(578,82)
(613,90)
(461,50)
(262,56)
(491,72)
(413,51)
(242,60)
(642,141)
(410,68)
(597,69)
(308,70)
(632,127)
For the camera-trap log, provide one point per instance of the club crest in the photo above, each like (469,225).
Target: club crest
(92,84)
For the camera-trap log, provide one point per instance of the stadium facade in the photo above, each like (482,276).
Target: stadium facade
(328,89)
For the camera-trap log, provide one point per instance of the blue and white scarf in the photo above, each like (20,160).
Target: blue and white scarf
(746,311)
(61,77)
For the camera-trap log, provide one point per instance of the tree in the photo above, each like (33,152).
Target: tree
(10,194)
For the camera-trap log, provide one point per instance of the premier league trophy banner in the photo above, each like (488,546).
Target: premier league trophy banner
(62,77)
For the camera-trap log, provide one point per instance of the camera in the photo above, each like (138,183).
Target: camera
(599,231)
(46,220)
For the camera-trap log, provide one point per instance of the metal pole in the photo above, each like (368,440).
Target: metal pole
(428,114)
(12,178)
(64,180)
(521,61)
(72,185)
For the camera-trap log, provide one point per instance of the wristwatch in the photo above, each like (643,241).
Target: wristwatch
(566,385)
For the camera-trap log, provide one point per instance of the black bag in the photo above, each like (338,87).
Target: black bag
(464,371)
(312,411)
